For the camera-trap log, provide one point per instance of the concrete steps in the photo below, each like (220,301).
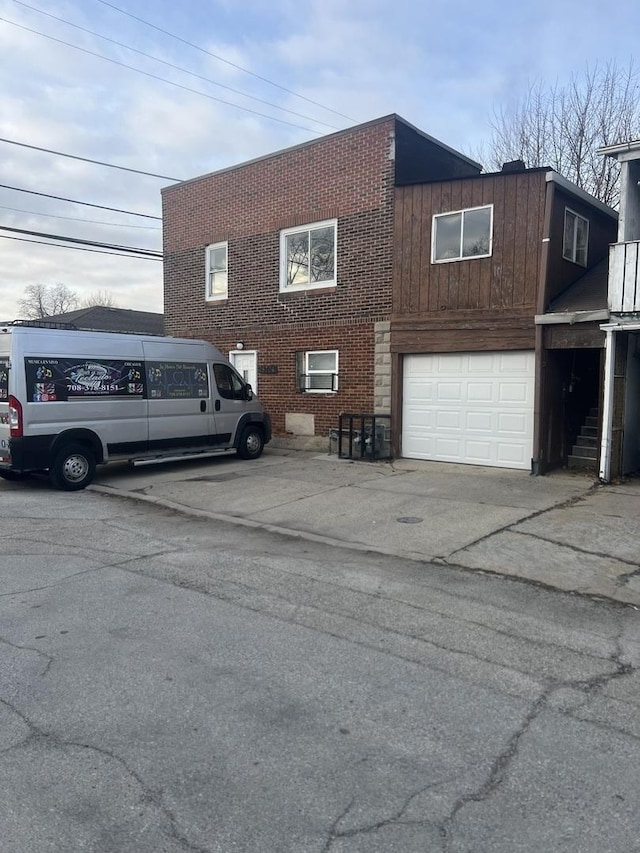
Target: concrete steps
(584,453)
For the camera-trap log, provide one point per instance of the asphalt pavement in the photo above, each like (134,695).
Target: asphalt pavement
(564,531)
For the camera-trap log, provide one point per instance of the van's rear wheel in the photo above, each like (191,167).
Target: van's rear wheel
(73,468)
(251,442)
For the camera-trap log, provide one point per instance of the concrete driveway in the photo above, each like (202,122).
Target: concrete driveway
(564,531)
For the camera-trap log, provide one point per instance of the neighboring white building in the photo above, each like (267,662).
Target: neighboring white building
(620,444)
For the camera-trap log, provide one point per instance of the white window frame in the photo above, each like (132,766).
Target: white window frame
(570,253)
(462,212)
(208,295)
(309,373)
(289,288)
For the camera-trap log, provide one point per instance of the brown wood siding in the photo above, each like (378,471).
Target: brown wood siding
(603,230)
(506,282)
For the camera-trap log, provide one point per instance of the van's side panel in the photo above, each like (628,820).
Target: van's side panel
(179,391)
(120,421)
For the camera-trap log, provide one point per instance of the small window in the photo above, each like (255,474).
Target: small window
(462,234)
(308,257)
(576,238)
(216,263)
(229,384)
(318,371)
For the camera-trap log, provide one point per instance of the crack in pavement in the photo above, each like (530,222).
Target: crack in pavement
(394,819)
(569,502)
(39,652)
(578,549)
(497,772)
(150,795)
(503,761)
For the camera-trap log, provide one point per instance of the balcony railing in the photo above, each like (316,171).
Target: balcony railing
(624,281)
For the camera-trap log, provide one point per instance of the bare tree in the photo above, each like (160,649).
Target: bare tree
(101,298)
(562,126)
(45,300)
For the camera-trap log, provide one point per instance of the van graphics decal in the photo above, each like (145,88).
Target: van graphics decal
(53,379)
(4,380)
(174,380)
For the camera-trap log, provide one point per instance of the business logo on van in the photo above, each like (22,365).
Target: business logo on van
(53,379)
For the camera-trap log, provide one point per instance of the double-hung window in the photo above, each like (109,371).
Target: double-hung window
(576,237)
(318,371)
(462,234)
(308,256)
(216,261)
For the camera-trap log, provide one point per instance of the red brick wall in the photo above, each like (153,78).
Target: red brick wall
(278,392)
(348,177)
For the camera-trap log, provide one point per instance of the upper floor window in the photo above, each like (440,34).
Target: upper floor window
(576,238)
(216,263)
(462,234)
(308,256)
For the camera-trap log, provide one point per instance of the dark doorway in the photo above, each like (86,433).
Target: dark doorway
(572,401)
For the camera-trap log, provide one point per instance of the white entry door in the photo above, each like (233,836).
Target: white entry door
(474,407)
(246,363)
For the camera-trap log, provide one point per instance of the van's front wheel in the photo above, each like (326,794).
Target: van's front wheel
(73,468)
(251,442)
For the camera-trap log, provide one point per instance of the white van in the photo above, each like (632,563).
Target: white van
(70,400)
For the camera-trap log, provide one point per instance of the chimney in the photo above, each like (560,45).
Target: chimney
(514,166)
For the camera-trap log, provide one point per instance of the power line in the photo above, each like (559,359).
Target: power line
(172,65)
(133,249)
(85,159)
(75,201)
(79,248)
(222,59)
(162,80)
(76,219)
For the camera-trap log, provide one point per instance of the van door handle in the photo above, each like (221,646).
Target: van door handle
(203,405)
(217,405)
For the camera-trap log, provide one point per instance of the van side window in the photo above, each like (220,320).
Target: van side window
(230,386)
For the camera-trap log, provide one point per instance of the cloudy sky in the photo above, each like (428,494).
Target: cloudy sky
(218,82)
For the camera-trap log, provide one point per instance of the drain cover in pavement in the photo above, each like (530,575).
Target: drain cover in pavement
(409,519)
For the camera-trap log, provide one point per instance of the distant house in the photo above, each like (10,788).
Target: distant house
(99,318)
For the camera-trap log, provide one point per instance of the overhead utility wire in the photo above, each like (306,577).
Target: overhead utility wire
(162,80)
(226,61)
(172,65)
(77,219)
(133,249)
(79,248)
(75,201)
(87,159)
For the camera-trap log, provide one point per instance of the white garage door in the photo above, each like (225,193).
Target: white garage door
(469,407)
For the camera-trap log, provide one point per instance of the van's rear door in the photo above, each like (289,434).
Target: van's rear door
(4,411)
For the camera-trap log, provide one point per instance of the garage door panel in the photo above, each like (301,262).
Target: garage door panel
(469,407)
(479,421)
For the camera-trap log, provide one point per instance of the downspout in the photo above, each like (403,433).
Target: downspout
(539,396)
(607,406)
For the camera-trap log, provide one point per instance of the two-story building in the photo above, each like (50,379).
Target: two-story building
(377,270)
(499,285)
(286,263)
